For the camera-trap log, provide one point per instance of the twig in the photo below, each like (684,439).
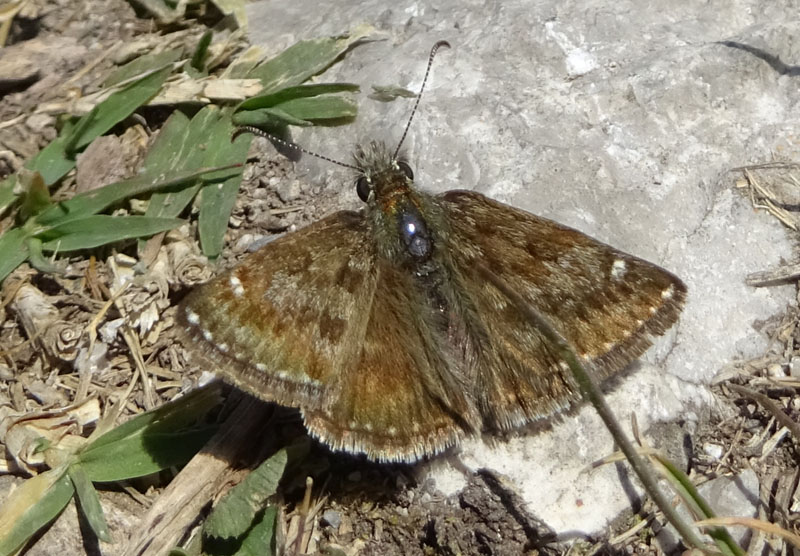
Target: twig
(770,406)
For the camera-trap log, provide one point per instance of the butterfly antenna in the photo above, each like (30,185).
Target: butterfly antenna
(294,146)
(435,48)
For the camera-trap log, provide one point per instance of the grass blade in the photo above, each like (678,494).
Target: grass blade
(13,251)
(698,505)
(260,541)
(92,202)
(30,507)
(89,502)
(267,118)
(321,108)
(198,61)
(304,59)
(151,441)
(101,229)
(115,108)
(301,91)
(235,513)
(143,64)
(52,162)
(148,451)
(203,141)
(217,199)
(7,195)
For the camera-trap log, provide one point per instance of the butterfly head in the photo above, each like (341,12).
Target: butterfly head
(380,175)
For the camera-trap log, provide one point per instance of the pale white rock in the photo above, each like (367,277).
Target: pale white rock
(621,119)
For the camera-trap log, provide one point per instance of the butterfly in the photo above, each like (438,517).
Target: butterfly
(381,327)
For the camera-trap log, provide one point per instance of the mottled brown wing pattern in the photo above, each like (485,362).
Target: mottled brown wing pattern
(393,403)
(314,320)
(283,323)
(606,303)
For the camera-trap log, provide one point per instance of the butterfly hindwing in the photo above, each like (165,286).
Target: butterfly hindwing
(393,403)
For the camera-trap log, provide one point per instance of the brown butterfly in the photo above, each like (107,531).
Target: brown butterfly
(378,325)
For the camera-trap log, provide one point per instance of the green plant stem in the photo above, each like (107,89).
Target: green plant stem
(591,392)
(698,505)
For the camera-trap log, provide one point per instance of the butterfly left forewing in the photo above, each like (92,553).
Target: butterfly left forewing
(606,303)
(281,324)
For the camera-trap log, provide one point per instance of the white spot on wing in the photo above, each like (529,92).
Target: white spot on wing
(192,317)
(236,286)
(618,269)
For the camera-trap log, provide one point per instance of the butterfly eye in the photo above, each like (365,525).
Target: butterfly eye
(406,169)
(363,188)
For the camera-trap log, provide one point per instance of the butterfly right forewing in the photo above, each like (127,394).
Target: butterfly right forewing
(606,303)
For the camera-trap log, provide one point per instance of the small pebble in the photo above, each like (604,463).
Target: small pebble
(243,243)
(794,367)
(37,122)
(714,451)
(6,373)
(332,518)
(776,371)
(288,191)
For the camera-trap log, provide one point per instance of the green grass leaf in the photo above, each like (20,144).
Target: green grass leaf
(305,59)
(235,513)
(52,162)
(260,540)
(37,259)
(144,453)
(89,502)
(13,251)
(198,61)
(183,145)
(32,506)
(143,64)
(217,198)
(216,203)
(152,441)
(318,110)
(100,229)
(114,109)
(290,93)
(321,108)
(92,202)
(268,119)
(7,195)
(171,152)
